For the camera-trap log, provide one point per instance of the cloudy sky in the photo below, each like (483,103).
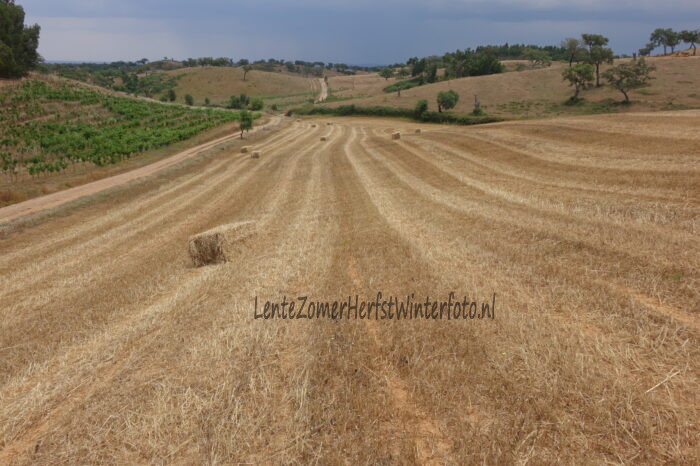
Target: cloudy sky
(356,32)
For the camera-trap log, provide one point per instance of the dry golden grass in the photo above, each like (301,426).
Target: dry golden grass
(114,349)
(220,83)
(538,92)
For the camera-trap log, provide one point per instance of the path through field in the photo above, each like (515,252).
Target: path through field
(114,349)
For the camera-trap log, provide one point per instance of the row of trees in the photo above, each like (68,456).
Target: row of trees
(668,38)
(623,77)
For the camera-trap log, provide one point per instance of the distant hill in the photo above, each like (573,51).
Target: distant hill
(532,92)
(220,83)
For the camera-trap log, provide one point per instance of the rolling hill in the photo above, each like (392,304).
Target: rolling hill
(532,93)
(220,83)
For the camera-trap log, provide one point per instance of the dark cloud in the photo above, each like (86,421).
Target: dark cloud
(362,31)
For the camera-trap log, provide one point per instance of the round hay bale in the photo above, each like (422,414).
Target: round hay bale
(396,135)
(313,126)
(324,138)
(418,131)
(255,155)
(245,149)
(220,244)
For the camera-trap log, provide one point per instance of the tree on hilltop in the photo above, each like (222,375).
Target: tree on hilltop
(666,38)
(246,70)
(691,37)
(594,40)
(18,43)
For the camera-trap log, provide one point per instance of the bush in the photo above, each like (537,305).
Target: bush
(189,100)
(256,104)
(235,102)
(405,84)
(421,107)
(447,100)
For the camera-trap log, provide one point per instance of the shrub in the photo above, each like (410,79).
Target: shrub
(256,104)
(447,100)
(189,100)
(421,107)
(405,84)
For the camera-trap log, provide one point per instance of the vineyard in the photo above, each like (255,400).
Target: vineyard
(45,127)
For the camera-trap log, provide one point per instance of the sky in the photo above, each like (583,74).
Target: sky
(362,32)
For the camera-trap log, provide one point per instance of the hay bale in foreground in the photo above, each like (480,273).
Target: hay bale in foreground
(324,138)
(255,155)
(313,126)
(220,244)
(396,135)
(245,149)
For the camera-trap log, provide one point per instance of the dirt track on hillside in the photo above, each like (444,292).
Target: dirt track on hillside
(114,349)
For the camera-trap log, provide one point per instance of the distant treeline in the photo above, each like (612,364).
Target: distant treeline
(141,77)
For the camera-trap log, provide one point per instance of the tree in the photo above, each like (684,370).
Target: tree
(447,100)
(246,70)
(421,107)
(691,37)
(537,57)
(18,43)
(257,104)
(665,37)
(580,76)
(171,95)
(246,121)
(189,100)
(593,40)
(207,102)
(403,72)
(627,76)
(646,50)
(573,48)
(431,73)
(672,39)
(386,73)
(597,56)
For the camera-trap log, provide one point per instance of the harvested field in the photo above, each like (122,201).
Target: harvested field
(113,348)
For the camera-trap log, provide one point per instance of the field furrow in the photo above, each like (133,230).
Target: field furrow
(582,232)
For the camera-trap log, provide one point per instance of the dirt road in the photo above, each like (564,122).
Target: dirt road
(62,197)
(114,349)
